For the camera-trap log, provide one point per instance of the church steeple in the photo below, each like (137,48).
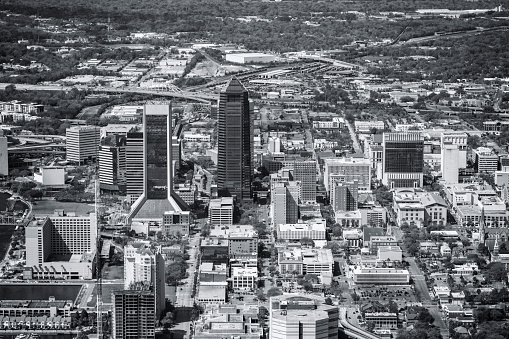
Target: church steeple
(496,247)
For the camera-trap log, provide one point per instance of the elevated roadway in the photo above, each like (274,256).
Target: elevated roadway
(352,331)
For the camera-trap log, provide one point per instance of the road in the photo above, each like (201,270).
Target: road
(356,145)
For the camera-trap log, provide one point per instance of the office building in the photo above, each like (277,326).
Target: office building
(450,163)
(176,151)
(347,170)
(82,143)
(380,276)
(305,172)
(51,175)
(176,223)
(485,160)
(345,196)
(61,246)
(244,278)
(234,139)
(403,160)
(134,315)
(306,261)
(459,139)
(302,316)
(145,265)
(381,241)
(285,202)
(158,195)
(221,211)
(314,229)
(134,166)
(4,154)
(112,163)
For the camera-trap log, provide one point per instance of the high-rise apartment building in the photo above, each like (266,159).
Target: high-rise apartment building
(305,172)
(403,160)
(112,164)
(134,315)
(82,143)
(347,170)
(234,139)
(4,155)
(157,194)
(145,265)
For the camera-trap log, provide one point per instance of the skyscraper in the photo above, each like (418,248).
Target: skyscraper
(403,160)
(157,194)
(305,172)
(112,164)
(234,168)
(134,165)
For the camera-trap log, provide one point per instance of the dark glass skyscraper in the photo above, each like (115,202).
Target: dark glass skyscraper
(157,196)
(234,167)
(403,159)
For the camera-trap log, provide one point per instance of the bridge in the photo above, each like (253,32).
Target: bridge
(200,97)
(352,331)
(54,148)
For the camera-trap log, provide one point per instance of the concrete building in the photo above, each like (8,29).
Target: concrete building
(176,223)
(234,139)
(485,160)
(304,261)
(134,314)
(134,166)
(403,160)
(305,172)
(347,170)
(244,278)
(82,143)
(51,176)
(389,253)
(417,207)
(450,163)
(221,211)
(345,196)
(4,155)
(145,265)
(285,202)
(299,316)
(459,139)
(212,293)
(314,229)
(368,126)
(382,320)
(157,194)
(61,246)
(248,58)
(176,151)
(381,241)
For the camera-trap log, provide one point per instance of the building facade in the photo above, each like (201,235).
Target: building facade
(403,160)
(134,315)
(82,143)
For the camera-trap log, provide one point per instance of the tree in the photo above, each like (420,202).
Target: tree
(306,241)
(425,316)
(328,301)
(261,296)
(273,292)
(168,321)
(333,246)
(496,271)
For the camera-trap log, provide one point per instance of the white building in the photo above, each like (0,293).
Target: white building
(244,278)
(221,211)
(82,143)
(347,170)
(450,163)
(246,58)
(367,126)
(313,229)
(485,160)
(51,176)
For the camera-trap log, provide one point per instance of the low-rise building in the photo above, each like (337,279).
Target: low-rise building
(221,211)
(244,278)
(313,229)
(384,320)
(390,253)
(381,241)
(380,276)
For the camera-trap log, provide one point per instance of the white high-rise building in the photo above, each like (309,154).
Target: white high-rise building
(459,139)
(143,264)
(450,163)
(82,143)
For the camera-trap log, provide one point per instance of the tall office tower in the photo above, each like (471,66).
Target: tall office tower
(403,160)
(134,314)
(485,160)
(305,172)
(4,154)
(82,143)
(61,246)
(345,196)
(347,170)
(450,163)
(145,265)
(285,202)
(234,139)
(157,194)
(112,163)
(134,165)
(459,139)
